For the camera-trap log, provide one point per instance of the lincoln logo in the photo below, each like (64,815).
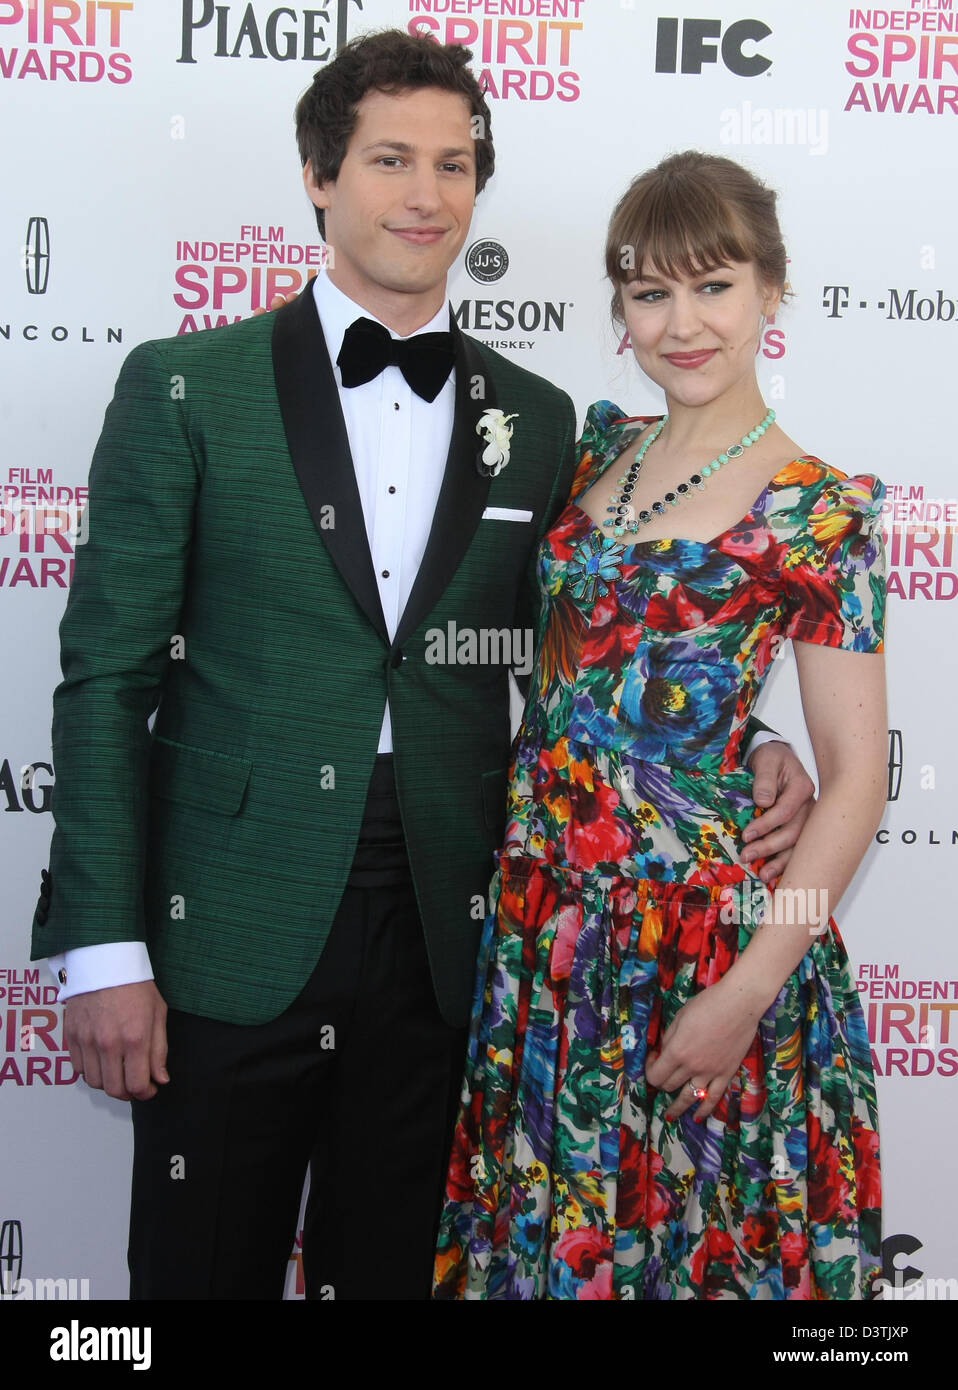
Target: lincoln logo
(894,764)
(36,255)
(11,1257)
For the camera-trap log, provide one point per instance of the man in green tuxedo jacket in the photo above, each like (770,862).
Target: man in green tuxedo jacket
(270,901)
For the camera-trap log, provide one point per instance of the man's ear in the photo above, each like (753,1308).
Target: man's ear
(316,192)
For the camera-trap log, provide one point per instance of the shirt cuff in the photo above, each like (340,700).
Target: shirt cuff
(85,968)
(764,736)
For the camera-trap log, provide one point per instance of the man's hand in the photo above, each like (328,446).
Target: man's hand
(117,1039)
(277,302)
(784,794)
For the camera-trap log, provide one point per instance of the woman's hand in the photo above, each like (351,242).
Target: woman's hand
(704,1044)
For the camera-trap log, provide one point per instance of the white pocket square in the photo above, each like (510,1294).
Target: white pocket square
(505,514)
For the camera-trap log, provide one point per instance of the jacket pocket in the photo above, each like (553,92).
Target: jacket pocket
(198,777)
(494,801)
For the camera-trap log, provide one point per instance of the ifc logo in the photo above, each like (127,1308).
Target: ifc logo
(487,261)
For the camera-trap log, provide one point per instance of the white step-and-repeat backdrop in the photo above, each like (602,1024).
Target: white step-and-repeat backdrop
(149,185)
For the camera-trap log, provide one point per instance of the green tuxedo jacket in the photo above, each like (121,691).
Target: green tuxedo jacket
(227,584)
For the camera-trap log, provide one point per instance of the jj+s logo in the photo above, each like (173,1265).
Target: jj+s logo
(487,261)
(687,45)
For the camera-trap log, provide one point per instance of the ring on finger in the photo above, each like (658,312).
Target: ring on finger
(699,1092)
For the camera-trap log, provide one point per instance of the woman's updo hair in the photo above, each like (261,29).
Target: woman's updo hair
(689,214)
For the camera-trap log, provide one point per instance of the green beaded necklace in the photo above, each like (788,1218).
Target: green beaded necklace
(622,517)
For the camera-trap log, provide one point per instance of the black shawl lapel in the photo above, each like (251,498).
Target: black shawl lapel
(462,497)
(319,447)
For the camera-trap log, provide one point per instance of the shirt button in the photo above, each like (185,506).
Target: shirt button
(62,976)
(385,574)
(395,405)
(392,489)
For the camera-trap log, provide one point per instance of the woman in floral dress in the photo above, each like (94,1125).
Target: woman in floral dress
(668,1091)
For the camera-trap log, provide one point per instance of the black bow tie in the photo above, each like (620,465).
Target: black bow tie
(425,360)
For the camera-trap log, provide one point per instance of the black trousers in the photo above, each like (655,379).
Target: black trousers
(357,1080)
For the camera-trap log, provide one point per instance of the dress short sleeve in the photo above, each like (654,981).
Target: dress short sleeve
(834,567)
(599,418)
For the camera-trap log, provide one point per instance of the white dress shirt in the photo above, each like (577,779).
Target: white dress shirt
(399,444)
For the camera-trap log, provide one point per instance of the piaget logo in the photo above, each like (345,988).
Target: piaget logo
(311,34)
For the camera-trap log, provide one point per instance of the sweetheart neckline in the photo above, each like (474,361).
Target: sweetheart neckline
(689,540)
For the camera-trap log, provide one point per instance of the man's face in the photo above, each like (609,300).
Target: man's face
(399,210)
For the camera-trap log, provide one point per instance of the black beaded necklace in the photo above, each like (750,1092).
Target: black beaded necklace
(623,519)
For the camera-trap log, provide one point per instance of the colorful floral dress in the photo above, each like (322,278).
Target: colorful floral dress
(610,908)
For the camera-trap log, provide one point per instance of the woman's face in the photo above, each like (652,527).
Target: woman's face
(697,336)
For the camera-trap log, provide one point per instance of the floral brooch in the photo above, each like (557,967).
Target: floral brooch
(496,430)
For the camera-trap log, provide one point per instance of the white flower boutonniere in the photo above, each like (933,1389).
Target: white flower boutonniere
(497,432)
